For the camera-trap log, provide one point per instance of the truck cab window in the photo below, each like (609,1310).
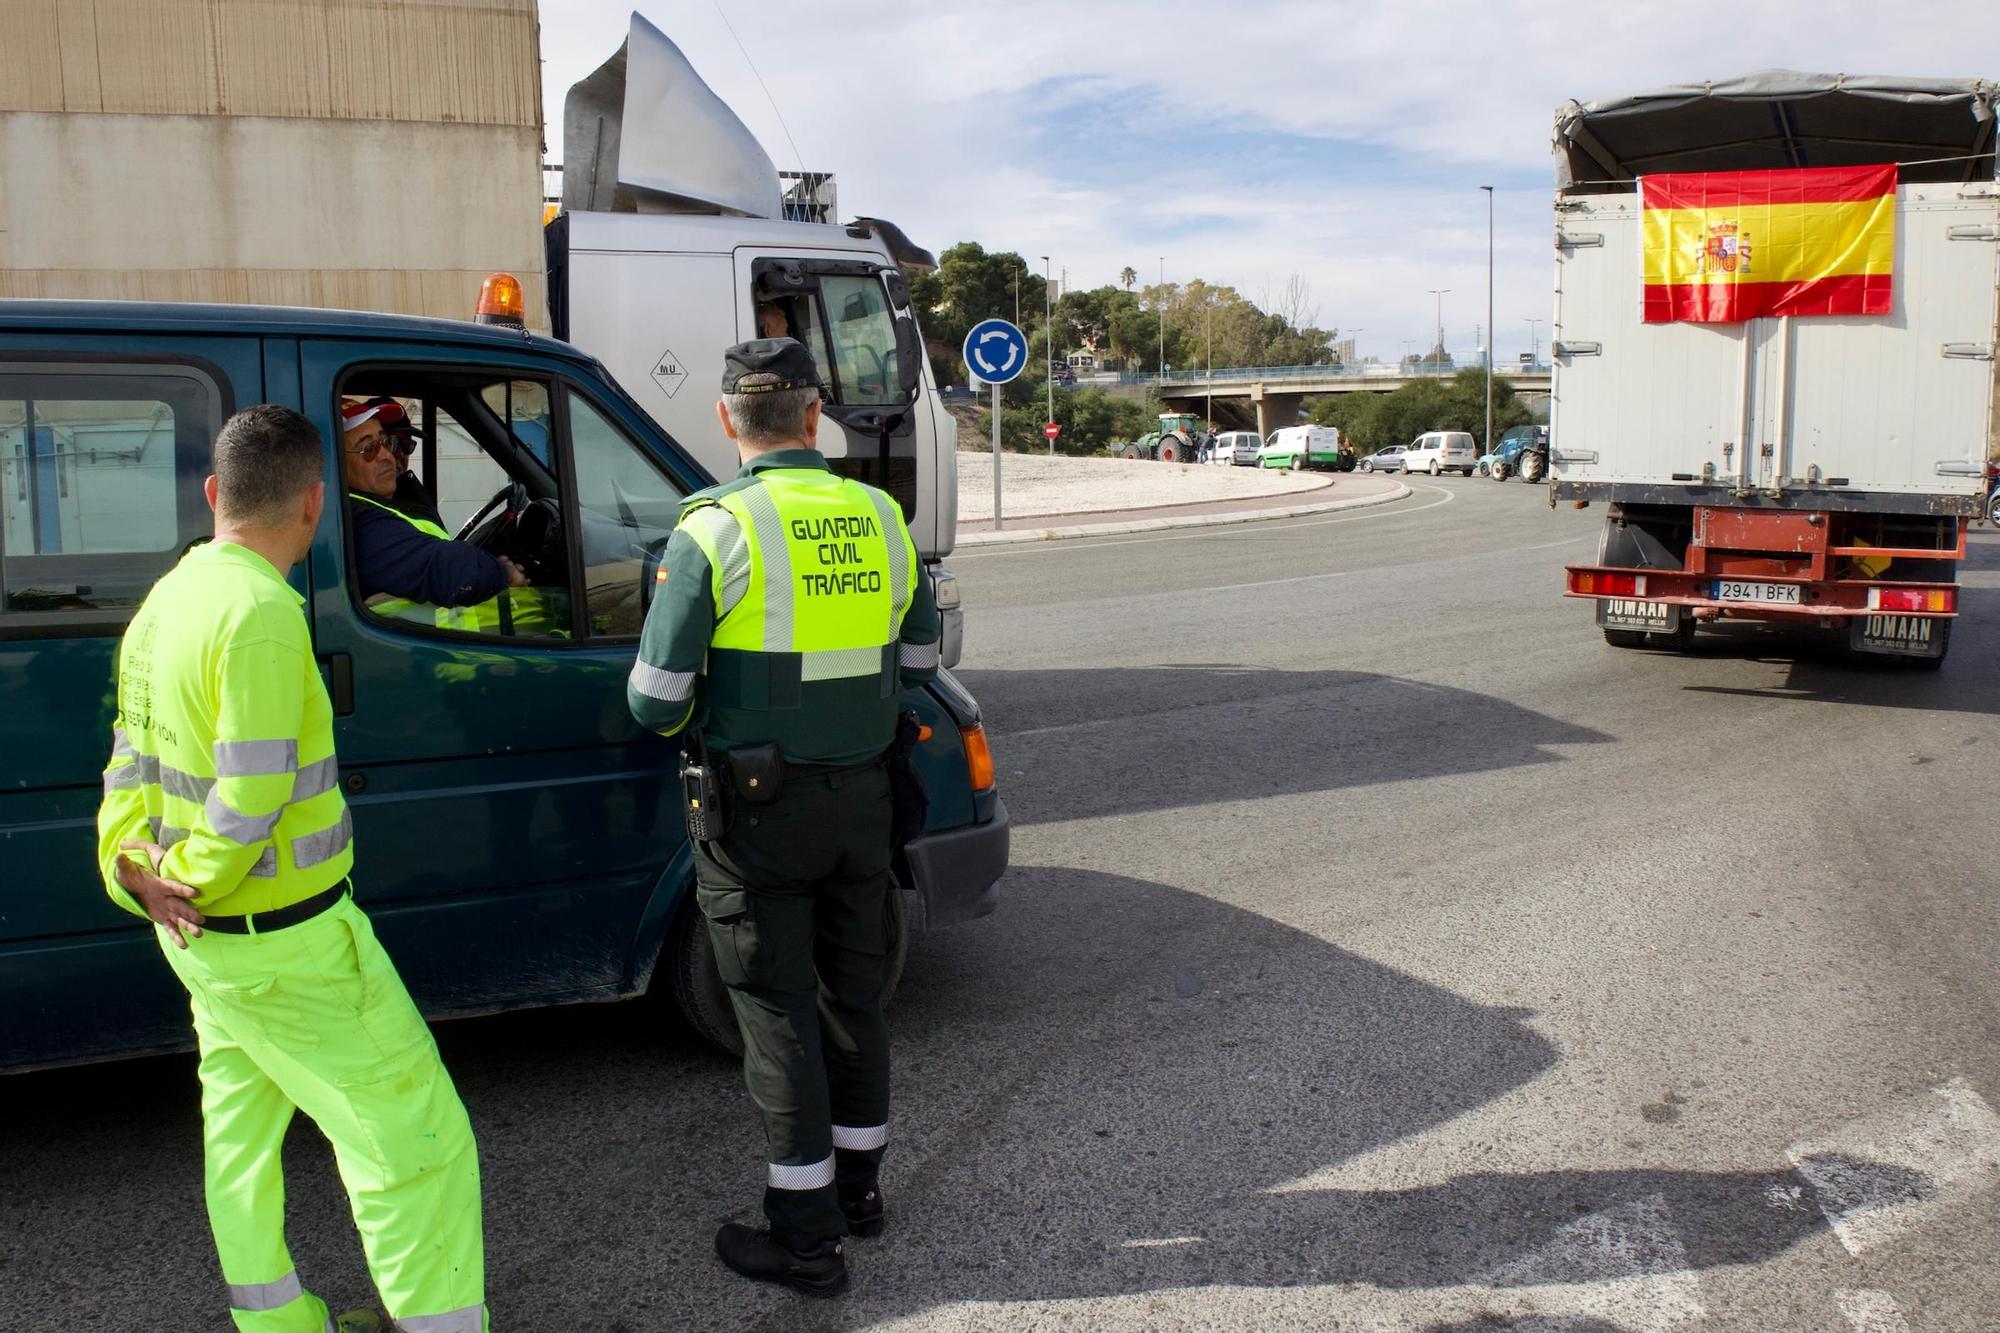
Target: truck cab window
(845,321)
(463,531)
(100,487)
(626,509)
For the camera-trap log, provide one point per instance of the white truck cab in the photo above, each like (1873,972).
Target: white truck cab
(671,246)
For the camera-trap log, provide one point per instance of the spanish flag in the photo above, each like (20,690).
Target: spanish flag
(1725,246)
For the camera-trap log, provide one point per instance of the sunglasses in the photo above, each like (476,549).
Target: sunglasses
(372,450)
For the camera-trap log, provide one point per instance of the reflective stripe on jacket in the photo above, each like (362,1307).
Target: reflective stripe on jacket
(223,747)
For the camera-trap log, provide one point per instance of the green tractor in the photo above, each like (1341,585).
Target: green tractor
(1178,440)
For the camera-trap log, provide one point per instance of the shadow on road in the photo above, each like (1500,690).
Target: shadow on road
(1173,736)
(1108,1061)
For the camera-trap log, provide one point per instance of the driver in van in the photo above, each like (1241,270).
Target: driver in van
(398,555)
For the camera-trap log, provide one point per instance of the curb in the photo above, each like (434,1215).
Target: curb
(1011,535)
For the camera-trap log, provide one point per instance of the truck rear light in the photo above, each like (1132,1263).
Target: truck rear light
(978,757)
(1592,583)
(1943,600)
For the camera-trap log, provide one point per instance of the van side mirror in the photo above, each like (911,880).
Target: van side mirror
(909,354)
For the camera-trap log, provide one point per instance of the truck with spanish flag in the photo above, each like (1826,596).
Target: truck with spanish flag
(1775,331)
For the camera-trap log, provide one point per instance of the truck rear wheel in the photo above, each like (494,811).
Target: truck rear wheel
(704,1001)
(1533,467)
(1679,640)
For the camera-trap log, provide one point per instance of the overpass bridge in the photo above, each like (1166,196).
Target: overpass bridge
(1276,393)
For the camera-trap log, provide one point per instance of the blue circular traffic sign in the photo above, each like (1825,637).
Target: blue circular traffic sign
(995,351)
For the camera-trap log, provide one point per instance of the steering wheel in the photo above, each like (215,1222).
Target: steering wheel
(529,531)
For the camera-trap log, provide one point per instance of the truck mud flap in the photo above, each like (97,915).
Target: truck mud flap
(1900,636)
(1637,614)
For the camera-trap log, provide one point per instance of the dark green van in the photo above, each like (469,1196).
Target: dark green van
(516,837)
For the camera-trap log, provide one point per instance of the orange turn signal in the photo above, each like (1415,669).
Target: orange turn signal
(978,757)
(501,301)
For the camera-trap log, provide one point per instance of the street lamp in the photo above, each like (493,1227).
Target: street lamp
(1534,358)
(1162,298)
(1437,361)
(1354,336)
(1049,343)
(1489,315)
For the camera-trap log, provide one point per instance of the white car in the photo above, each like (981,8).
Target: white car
(1238,447)
(1438,451)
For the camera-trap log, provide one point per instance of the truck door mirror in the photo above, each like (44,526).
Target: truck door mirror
(899,288)
(909,355)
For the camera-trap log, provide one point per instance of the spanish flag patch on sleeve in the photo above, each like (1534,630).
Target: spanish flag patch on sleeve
(1726,246)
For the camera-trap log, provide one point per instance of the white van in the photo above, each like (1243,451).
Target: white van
(1300,447)
(1438,451)
(1235,447)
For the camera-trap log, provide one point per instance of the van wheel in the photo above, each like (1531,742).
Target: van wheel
(703,999)
(1625,638)
(1435,469)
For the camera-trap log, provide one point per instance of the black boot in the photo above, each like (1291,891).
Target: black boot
(817,1268)
(863,1207)
(857,1182)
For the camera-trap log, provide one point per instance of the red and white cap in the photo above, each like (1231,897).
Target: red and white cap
(357,412)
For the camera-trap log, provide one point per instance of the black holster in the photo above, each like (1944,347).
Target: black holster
(908,800)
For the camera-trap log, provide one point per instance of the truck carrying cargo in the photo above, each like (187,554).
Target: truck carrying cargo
(1774,366)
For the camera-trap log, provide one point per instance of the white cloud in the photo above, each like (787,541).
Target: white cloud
(904,102)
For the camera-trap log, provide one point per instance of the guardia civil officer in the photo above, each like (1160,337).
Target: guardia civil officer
(791,611)
(223,822)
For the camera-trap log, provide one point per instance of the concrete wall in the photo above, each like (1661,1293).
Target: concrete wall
(341,153)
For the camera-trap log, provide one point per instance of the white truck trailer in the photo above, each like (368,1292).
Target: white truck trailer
(1817,469)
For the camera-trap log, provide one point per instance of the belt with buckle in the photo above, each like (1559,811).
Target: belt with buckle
(262,923)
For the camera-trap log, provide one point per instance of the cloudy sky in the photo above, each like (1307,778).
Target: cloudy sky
(1244,142)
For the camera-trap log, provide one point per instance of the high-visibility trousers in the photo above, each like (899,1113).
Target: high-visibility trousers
(314,1017)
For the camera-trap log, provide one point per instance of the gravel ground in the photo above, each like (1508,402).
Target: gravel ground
(1034,484)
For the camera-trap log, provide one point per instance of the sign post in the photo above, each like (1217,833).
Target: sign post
(995,351)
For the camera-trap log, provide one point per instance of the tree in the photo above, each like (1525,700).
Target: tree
(1091,420)
(1128,277)
(971,285)
(1372,421)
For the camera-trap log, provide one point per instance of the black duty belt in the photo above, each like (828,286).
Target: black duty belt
(263,923)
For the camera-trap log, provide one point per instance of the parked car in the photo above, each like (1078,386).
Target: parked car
(1301,447)
(1384,460)
(1438,451)
(1523,450)
(1236,447)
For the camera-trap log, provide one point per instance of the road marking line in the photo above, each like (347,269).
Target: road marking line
(1871,1311)
(1888,1172)
(1161,1243)
(1056,545)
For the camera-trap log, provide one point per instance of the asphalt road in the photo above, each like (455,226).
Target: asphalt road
(1383,951)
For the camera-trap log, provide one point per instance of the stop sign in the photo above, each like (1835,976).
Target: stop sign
(1052,430)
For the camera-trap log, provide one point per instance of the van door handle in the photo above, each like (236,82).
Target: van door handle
(337,669)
